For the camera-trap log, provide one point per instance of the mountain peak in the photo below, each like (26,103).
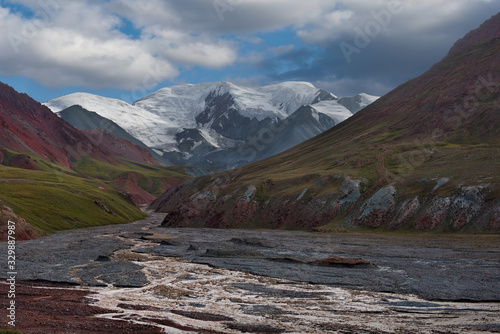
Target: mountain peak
(357,102)
(181,102)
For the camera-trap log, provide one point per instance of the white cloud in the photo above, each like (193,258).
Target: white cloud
(80,43)
(223,16)
(329,28)
(209,55)
(404,18)
(85,61)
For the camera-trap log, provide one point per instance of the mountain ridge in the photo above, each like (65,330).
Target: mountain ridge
(32,127)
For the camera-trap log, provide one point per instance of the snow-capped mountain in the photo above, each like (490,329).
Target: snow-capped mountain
(208,124)
(181,104)
(146,126)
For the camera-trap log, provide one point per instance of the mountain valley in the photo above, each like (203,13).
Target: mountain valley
(253,200)
(391,166)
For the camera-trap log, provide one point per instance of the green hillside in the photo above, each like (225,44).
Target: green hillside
(52,198)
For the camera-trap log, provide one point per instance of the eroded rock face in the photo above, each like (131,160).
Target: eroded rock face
(465,207)
(350,205)
(407,210)
(351,191)
(489,219)
(377,208)
(433,214)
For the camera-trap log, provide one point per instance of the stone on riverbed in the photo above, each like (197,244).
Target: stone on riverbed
(116,273)
(250,328)
(170,243)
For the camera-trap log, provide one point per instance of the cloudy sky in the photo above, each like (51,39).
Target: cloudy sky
(127,48)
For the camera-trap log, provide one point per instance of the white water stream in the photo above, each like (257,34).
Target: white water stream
(182,287)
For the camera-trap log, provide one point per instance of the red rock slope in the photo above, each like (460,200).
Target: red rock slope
(27,126)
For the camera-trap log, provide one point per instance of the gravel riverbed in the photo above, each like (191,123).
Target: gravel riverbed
(239,281)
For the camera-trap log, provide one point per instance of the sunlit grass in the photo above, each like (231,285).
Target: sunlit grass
(55,198)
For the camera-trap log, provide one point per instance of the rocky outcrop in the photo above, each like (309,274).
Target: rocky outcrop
(375,210)
(352,205)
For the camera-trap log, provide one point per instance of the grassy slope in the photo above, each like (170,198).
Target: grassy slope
(52,198)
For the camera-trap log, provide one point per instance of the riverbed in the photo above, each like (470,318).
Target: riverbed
(239,281)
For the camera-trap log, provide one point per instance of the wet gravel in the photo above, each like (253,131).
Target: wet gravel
(435,268)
